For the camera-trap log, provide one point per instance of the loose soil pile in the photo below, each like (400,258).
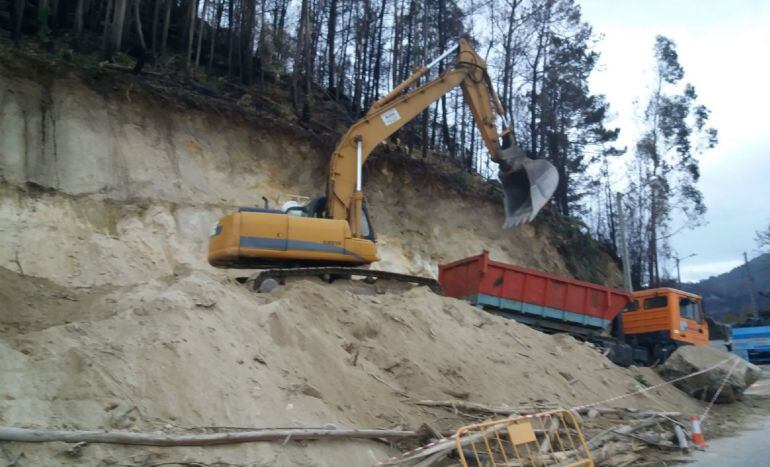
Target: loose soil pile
(196,350)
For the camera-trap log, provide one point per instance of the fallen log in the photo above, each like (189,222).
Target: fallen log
(608,450)
(681,439)
(29,435)
(611,433)
(454,405)
(530,410)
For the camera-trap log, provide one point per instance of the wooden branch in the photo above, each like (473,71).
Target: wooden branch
(473,406)
(649,441)
(681,439)
(29,435)
(607,435)
(552,431)
(600,455)
(115,66)
(522,410)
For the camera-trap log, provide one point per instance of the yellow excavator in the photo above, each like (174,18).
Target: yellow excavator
(332,234)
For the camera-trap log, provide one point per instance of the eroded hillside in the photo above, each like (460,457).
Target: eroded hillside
(129,185)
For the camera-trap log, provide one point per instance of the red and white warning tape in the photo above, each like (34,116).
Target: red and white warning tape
(719,390)
(652,388)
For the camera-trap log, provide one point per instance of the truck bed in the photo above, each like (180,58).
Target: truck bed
(534,297)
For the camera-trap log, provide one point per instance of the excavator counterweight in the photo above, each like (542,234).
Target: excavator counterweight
(334,230)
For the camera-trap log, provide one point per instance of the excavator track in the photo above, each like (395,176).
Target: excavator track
(329,274)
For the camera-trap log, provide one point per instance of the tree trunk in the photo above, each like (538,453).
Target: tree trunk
(231,37)
(533,105)
(357,67)
(398,26)
(200,33)
(166,25)
(107,29)
(18,17)
(263,57)
(190,34)
(303,62)
(79,20)
(378,55)
(138,19)
(366,56)
(508,64)
(442,43)
(209,439)
(331,30)
(214,34)
(425,115)
(408,56)
(247,41)
(340,88)
(116,28)
(279,30)
(43,17)
(155,18)
(315,20)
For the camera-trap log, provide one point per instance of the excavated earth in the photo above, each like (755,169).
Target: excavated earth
(110,318)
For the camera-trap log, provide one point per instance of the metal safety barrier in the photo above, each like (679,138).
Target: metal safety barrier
(544,439)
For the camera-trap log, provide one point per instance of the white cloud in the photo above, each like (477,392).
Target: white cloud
(696,272)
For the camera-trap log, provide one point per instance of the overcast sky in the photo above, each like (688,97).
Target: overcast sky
(724,47)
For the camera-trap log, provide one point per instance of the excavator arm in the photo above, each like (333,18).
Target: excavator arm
(527,183)
(301,237)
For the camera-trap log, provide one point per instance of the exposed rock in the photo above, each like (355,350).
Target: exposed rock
(690,359)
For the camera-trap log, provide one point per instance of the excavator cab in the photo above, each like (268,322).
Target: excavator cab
(317,208)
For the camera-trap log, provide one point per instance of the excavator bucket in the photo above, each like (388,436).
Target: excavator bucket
(528,184)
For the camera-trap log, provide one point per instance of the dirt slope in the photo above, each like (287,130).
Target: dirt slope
(194,350)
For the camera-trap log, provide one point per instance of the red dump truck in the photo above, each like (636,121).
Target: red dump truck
(653,322)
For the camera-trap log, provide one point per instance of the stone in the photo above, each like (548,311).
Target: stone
(690,359)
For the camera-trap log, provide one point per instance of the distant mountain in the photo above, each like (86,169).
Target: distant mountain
(727,296)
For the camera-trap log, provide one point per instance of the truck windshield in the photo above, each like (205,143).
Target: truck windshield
(690,309)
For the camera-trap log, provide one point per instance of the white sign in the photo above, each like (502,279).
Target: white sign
(390,117)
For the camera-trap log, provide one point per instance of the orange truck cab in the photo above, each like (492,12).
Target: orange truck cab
(664,319)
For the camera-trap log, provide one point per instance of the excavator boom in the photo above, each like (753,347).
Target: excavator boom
(527,184)
(335,230)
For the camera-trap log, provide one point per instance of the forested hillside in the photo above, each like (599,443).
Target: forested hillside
(728,295)
(348,53)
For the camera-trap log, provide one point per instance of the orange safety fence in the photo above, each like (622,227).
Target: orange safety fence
(545,439)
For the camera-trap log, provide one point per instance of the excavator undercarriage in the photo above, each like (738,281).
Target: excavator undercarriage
(260,281)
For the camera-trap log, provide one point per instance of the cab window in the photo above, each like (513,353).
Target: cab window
(661,301)
(366,228)
(633,305)
(690,309)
